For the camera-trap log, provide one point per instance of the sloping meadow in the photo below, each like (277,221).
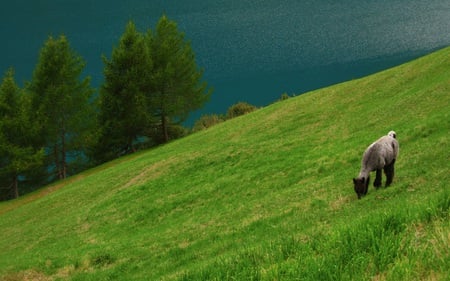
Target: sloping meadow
(265,196)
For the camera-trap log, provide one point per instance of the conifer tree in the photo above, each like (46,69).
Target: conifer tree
(17,154)
(62,102)
(151,84)
(176,83)
(124,115)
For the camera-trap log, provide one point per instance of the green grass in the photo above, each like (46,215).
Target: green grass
(265,196)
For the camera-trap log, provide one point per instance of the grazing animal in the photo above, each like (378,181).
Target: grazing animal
(379,155)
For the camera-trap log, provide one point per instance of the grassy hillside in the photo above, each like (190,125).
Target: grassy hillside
(266,196)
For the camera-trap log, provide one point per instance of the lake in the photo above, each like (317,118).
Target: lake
(251,50)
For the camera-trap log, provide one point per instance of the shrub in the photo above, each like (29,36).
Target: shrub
(284,96)
(207,121)
(239,109)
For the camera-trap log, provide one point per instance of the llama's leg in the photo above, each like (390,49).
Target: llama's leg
(377,182)
(366,187)
(389,171)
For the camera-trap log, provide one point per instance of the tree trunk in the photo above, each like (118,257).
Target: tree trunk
(130,146)
(57,162)
(15,187)
(164,128)
(63,173)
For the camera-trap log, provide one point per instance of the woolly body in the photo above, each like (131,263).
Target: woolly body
(379,155)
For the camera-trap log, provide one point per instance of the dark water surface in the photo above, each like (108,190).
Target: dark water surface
(251,50)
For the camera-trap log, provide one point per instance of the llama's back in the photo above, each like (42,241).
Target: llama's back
(391,146)
(380,153)
(371,159)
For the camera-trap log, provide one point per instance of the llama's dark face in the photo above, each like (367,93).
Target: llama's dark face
(361,185)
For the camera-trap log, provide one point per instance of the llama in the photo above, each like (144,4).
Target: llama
(379,155)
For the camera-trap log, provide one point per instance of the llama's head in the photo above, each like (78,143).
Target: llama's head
(361,185)
(392,134)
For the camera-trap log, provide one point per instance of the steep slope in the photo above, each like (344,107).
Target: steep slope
(266,196)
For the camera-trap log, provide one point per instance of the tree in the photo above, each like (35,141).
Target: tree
(176,80)
(124,114)
(17,154)
(151,84)
(62,103)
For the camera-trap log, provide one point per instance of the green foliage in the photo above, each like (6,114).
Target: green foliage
(17,156)
(177,86)
(284,96)
(267,196)
(124,112)
(61,102)
(207,121)
(151,84)
(9,99)
(239,109)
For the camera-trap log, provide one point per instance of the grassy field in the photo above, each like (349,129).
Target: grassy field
(265,196)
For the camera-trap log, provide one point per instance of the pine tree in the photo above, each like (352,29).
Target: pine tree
(124,116)
(151,84)
(62,102)
(176,82)
(17,154)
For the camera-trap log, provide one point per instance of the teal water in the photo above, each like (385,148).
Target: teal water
(251,50)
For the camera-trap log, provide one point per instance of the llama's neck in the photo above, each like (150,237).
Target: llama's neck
(364,173)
